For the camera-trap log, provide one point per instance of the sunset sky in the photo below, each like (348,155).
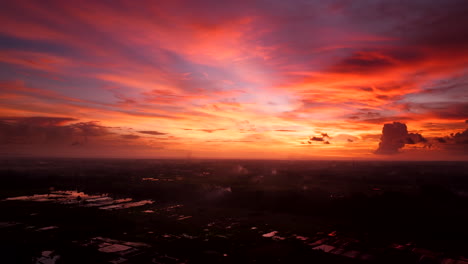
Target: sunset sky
(234,79)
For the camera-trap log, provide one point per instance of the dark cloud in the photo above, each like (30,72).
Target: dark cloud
(38,120)
(130,136)
(439,30)
(461,137)
(381,120)
(441,127)
(383,97)
(366,115)
(376,60)
(448,86)
(92,128)
(48,130)
(152,132)
(443,110)
(363,62)
(350,140)
(419,24)
(322,138)
(455,143)
(394,137)
(414,138)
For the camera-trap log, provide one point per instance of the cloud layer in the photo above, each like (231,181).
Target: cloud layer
(258,78)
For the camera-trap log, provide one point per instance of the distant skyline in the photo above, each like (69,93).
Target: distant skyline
(235,79)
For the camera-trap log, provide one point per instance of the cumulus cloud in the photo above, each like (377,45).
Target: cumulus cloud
(414,138)
(455,143)
(395,136)
(461,137)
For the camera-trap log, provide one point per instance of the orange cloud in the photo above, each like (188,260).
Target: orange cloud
(256,79)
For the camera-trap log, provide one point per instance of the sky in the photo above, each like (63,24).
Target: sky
(235,79)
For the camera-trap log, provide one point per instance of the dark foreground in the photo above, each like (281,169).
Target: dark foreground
(163,211)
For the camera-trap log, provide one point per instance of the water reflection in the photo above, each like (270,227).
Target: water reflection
(102,201)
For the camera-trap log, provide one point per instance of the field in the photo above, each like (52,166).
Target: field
(232,211)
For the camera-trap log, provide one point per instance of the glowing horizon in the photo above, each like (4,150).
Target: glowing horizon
(236,79)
